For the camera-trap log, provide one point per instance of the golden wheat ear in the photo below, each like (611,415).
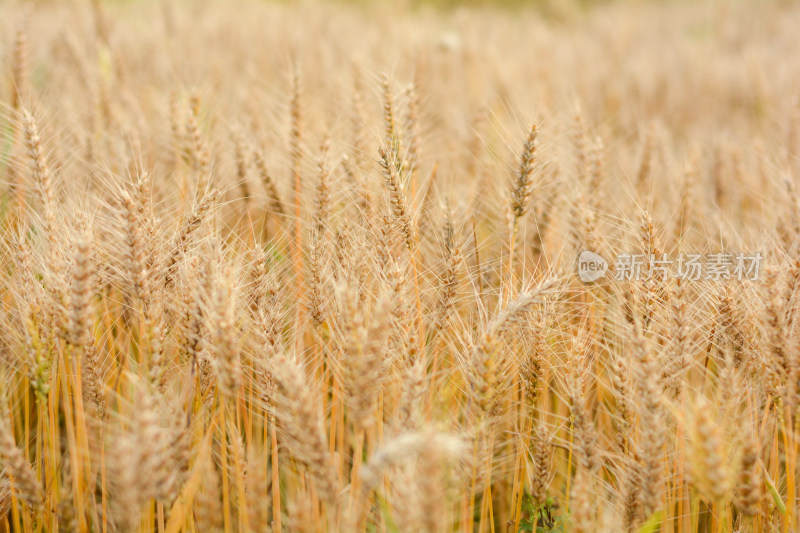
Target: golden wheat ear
(24,479)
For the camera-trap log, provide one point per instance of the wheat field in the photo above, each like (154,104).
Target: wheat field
(356,267)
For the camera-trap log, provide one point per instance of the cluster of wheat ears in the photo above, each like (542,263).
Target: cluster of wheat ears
(275,267)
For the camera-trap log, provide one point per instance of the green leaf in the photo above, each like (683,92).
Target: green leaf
(776,496)
(653,523)
(391,526)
